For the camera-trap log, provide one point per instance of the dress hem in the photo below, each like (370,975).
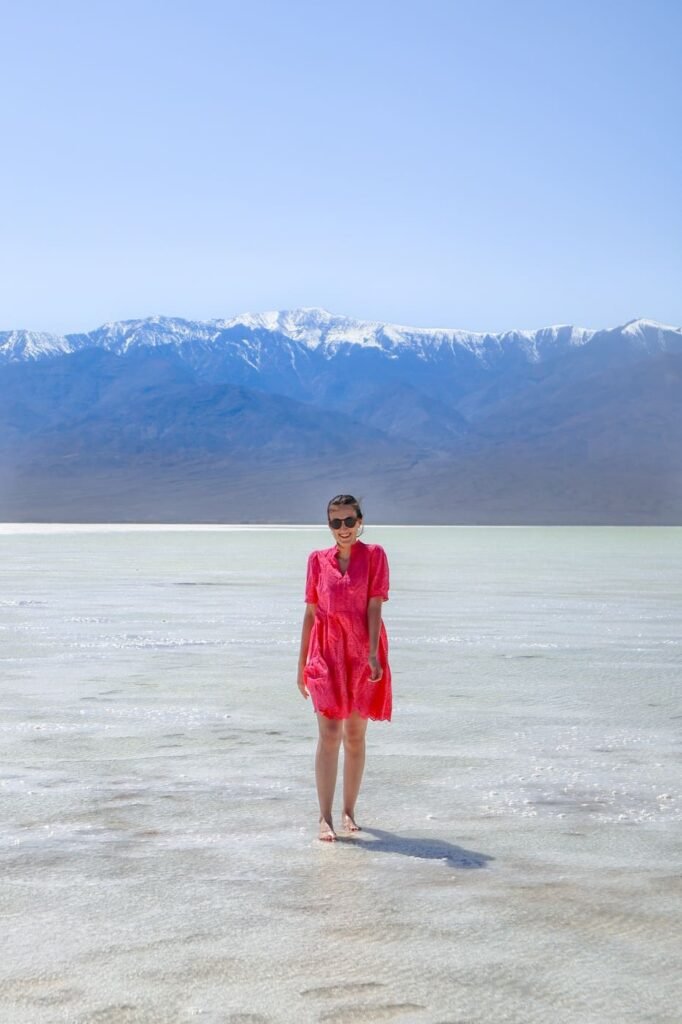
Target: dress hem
(343,718)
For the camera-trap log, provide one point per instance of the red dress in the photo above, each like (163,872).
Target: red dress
(337,674)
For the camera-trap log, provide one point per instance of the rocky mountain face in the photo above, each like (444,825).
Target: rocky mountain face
(166,419)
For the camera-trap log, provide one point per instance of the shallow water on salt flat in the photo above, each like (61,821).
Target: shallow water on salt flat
(522,812)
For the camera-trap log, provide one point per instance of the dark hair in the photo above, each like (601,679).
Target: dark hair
(345,499)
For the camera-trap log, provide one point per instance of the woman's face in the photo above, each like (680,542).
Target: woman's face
(345,534)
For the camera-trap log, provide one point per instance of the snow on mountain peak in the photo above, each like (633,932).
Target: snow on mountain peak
(640,325)
(22,345)
(122,335)
(330,333)
(310,325)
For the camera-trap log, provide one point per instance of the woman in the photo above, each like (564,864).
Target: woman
(343,663)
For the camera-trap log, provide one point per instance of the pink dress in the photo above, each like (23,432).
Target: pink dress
(337,674)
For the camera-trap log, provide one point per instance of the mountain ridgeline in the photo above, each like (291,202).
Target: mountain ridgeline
(264,416)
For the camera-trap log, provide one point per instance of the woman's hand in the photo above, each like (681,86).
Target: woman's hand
(300,682)
(375,669)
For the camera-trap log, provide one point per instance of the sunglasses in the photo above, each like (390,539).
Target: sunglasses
(349,521)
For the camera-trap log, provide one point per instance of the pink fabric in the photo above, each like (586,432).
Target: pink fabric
(337,674)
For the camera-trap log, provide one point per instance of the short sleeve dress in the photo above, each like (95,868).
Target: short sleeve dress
(336,673)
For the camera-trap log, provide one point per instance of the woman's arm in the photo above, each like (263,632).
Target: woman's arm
(308,620)
(374,627)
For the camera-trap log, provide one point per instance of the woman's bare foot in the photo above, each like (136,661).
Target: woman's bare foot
(349,823)
(327,833)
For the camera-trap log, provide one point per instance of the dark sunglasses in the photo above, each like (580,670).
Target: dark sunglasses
(349,521)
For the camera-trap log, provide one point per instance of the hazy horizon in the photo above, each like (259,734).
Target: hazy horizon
(347,315)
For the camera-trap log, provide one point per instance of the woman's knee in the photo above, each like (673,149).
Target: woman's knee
(331,732)
(354,734)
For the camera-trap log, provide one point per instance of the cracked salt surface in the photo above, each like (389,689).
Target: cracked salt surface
(520,854)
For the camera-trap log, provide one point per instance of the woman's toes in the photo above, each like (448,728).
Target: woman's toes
(349,823)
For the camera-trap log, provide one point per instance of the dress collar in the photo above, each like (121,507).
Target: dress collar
(331,552)
(333,560)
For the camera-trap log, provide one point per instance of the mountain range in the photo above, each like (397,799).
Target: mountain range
(262,417)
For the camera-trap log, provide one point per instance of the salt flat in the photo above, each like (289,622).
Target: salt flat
(521,846)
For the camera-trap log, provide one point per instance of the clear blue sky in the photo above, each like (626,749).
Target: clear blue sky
(474,163)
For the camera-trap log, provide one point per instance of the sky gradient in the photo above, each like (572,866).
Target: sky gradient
(479,165)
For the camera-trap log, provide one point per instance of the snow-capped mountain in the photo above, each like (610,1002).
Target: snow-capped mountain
(567,423)
(319,330)
(19,345)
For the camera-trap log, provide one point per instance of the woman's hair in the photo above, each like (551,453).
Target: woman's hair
(345,499)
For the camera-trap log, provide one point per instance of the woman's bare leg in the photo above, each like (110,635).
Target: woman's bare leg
(326,766)
(354,731)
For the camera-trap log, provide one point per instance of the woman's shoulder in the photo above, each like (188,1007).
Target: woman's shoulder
(320,553)
(373,550)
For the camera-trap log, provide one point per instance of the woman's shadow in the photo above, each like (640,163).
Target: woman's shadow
(426,849)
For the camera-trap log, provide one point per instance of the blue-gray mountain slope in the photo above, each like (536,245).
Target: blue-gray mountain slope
(559,425)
